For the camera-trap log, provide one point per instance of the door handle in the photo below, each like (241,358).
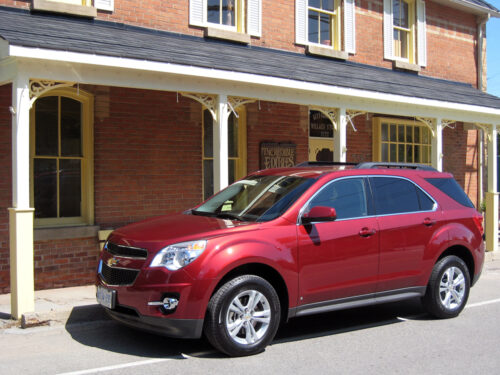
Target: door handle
(367,232)
(429,222)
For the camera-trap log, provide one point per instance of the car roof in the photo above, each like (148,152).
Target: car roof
(315,170)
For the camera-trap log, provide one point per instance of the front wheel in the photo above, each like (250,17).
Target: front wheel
(243,316)
(448,288)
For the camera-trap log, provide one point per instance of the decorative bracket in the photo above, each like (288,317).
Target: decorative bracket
(39,87)
(429,122)
(485,128)
(209,101)
(331,113)
(447,123)
(233,102)
(352,114)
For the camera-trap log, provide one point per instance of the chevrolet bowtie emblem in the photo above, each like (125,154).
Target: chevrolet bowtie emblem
(112,262)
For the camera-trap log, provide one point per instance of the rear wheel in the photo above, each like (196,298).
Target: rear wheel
(448,288)
(243,316)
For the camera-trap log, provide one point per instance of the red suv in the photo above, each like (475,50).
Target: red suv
(289,242)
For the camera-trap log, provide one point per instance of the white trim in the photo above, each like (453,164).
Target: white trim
(340,137)
(254,17)
(350,26)
(301,22)
(108,5)
(421,33)
(197,13)
(259,83)
(388,31)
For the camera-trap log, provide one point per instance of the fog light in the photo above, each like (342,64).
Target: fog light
(170,303)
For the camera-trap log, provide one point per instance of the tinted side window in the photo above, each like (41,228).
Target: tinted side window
(347,196)
(394,195)
(426,203)
(451,188)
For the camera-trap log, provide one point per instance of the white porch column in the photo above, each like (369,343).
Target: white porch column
(340,137)
(492,194)
(220,145)
(437,146)
(21,214)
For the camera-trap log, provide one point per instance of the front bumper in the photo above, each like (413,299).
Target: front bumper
(178,328)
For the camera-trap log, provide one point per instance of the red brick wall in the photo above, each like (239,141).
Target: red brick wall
(63,263)
(451,34)
(276,122)
(147,156)
(5,183)
(359,142)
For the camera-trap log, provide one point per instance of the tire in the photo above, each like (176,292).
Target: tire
(448,288)
(237,326)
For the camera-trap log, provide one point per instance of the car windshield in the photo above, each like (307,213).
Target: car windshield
(255,198)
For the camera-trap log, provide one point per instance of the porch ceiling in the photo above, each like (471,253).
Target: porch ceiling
(105,39)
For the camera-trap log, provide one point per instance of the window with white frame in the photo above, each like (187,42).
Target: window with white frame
(404,31)
(329,23)
(243,16)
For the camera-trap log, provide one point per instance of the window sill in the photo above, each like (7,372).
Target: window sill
(71,9)
(215,33)
(401,65)
(64,233)
(327,52)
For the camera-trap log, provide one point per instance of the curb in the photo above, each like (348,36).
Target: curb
(492,256)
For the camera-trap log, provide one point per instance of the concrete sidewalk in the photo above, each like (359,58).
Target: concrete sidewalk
(56,306)
(77,305)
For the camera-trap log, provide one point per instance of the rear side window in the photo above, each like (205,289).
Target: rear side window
(452,189)
(396,195)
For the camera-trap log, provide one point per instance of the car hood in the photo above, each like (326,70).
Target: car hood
(170,229)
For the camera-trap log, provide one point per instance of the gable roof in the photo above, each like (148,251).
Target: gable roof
(56,32)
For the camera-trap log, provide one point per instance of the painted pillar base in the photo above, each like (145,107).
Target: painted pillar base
(22,284)
(491,221)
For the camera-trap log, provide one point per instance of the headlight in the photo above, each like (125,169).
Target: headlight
(178,255)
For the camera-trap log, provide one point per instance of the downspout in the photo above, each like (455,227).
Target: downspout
(480,27)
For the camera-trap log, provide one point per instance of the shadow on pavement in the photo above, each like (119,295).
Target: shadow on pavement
(115,337)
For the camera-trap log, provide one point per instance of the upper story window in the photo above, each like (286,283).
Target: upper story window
(404,31)
(323,23)
(241,16)
(84,8)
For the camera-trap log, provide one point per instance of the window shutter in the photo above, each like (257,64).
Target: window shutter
(421,34)
(349,26)
(254,21)
(300,21)
(196,12)
(388,31)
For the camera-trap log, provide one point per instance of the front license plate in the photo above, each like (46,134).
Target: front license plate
(106,297)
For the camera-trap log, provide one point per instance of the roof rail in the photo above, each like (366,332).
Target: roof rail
(374,165)
(323,163)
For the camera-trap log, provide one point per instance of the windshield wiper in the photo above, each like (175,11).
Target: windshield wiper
(228,215)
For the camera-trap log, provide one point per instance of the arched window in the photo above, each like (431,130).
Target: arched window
(62,158)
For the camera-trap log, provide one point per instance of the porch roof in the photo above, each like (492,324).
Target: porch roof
(62,33)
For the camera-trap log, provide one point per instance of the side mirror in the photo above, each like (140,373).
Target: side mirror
(319,213)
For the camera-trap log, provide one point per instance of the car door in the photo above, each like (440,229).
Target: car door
(339,259)
(407,218)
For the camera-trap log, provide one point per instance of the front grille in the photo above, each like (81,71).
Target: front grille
(126,251)
(117,276)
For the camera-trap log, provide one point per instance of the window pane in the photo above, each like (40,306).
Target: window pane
(401,153)
(232,138)
(213,11)
(325,30)
(393,155)
(346,196)
(315,3)
(228,14)
(71,127)
(409,153)
(313,27)
(232,170)
(393,132)
(208,134)
(70,189)
(385,152)
(425,135)
(46,127)
(450,187)
(208,178)
(416,134)
(409,134)
(45,187)
(426,203)
(385,132)
(395,12)
(401,133)
(394,195)
(404,44)
(416,153)
(329,5)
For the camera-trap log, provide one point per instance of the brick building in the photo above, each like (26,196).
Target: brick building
(112,112)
